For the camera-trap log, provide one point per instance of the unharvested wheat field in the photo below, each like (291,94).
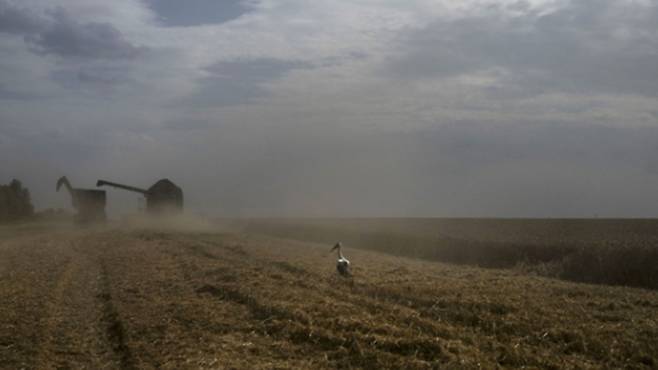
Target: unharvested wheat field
(137,298)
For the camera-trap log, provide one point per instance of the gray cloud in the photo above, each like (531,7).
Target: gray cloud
(99,78)
(17,20)
(290,112)
(584,47)
(7,93)
(68,38)
(58,33)
(197,12)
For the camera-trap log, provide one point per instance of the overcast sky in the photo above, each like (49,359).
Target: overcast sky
(335,108)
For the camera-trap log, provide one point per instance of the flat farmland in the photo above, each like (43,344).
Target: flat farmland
(153,298)
(602,251)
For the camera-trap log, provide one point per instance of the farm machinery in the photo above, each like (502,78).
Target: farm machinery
(163,197)
(89,203)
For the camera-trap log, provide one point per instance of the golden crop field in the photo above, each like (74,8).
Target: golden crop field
(144,298)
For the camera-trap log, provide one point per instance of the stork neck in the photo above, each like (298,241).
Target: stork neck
(340,253)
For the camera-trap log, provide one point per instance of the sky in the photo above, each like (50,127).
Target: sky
(475,108)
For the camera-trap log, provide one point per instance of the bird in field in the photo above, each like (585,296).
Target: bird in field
(342,264)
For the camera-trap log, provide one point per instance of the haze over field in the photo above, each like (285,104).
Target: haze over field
(381,108)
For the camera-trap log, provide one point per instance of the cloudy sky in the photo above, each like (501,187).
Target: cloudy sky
(332,108)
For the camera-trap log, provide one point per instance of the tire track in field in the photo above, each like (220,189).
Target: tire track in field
(191,265)
(325,335)
(279,322)
(47,348)
(112,324)
(75,332)
(431,318)
(372,298)
(300,328)
(429,312)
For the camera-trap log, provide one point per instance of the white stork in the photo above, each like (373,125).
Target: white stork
(342,264)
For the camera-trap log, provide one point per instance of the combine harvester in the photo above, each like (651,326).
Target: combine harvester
(89,203)
(163,198)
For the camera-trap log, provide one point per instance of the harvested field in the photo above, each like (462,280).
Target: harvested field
(115,298)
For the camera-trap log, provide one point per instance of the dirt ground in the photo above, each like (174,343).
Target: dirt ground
(113,298)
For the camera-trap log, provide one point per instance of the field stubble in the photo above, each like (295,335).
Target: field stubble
(158,299)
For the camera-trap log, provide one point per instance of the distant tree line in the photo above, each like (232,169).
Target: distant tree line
(15,202)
